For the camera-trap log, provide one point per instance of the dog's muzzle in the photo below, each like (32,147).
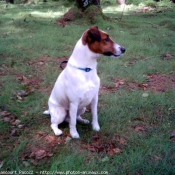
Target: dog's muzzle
(121,50)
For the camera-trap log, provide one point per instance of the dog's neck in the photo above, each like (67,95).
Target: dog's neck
(83,57)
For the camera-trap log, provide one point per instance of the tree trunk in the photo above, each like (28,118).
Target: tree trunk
(83,4)
(121,1)
(10,1)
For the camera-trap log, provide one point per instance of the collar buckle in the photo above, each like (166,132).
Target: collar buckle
(87,69)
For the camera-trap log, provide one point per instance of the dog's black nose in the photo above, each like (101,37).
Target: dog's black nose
(122,49)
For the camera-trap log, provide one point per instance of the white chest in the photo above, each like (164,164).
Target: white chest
(88,92)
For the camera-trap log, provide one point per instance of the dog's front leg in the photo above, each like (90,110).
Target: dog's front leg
(73,120)
(94,104)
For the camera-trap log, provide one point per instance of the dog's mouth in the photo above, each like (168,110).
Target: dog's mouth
(120,52)
(116,55)
(112,54)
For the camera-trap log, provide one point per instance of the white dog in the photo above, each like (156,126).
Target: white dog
(78,84)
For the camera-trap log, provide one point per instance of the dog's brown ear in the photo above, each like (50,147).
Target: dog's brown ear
(91,35)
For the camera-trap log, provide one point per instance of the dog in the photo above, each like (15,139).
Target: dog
(78,84)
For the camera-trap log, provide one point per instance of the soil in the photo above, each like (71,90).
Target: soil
(154,82)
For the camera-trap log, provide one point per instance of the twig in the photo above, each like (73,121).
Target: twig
(122,12)
(150,41)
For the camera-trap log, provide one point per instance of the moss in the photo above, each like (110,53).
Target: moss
(94,13)
(73,14)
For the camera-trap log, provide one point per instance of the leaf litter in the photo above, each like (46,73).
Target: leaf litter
(172,137)
(102,144)
(47,144)
(12,119)
(154,82)
(43,146)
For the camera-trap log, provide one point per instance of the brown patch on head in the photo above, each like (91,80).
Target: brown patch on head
(98,41)
(91,35)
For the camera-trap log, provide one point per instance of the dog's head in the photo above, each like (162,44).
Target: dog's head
(100,42)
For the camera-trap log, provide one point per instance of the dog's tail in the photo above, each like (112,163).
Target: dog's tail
(62,65)
(46,112)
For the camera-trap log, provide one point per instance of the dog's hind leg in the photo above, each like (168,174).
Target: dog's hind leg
(80,119)
(58,115)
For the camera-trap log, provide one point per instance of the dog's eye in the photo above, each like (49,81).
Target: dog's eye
(107,39)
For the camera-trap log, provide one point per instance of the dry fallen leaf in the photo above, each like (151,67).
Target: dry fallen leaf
(39,154)
(7,119)
(40,63)
(13,132)
(144,86)
(30,90)
(122,82)
(119,139)
(50,138)
(96,137)
(172,135)
(157,158)
(139,128)
(105,145)
(34,162)
(122,141)
(132,62)
(4,113)
(15,122)
(119,82)
(114,151)
(168,56)
(21,93)
(41,134)
(20,126)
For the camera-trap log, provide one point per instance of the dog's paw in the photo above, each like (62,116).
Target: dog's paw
(58,133)
(75,135)
(46,112)
(96,127)
(85,121)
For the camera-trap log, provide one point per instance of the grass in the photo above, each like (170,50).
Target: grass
(32,45)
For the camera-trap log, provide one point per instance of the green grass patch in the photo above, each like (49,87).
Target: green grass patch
(136,100)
